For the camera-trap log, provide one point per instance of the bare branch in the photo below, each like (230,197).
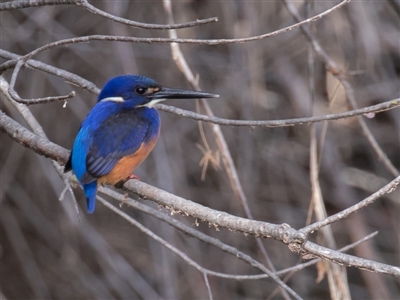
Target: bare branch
(89,86)
(293,238)
(32,141)
(389,188)
(97,11)
(339,73)
(183,255)
(37,129)
(12,5)
(68,76)
(86,39)
(14,95)
(384,106)
(215,242)
(210,296)
(220,140)
(350,260)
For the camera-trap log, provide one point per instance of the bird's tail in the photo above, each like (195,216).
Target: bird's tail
(90,193)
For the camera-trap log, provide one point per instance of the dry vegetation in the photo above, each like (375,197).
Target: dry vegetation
(296,175)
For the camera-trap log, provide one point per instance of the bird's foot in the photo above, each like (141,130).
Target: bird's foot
(120,184)
(133,176)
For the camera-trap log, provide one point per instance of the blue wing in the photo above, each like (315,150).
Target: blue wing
(120,135)
(102,142)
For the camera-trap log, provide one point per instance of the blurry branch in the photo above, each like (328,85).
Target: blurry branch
(283,233)
(22,109)
(13,5)
(183,255)
(336,274)
(337,278)
(97,11)
(208,286)
(339,73)
(89,86)
(314,261)
(2,297)
(384,106)
(213,241)
(86,39)
(387,189)
(187,230)
(157,238)
(350,260)
(37,129)
(32,141)
(295,239)
(227,160)
(24,253)
(33,123)
(396,6)
(196,234)
(68,76)
(14,95)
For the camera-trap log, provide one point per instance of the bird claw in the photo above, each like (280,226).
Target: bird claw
(120,185)
(133,176)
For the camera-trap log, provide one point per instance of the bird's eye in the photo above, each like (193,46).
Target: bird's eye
(140,90)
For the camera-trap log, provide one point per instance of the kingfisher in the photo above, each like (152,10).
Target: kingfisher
(120,131)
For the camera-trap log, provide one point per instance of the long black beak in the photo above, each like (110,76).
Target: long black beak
(170,93)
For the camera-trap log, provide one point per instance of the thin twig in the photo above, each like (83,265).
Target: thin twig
(97,11)
(210,296)
(68,76)
(14,95)
(13,5)
(388,188)
(384,106)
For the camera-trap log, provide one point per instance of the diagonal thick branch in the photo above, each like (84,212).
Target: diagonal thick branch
(296,240)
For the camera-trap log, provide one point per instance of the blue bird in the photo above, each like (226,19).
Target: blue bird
(119,132)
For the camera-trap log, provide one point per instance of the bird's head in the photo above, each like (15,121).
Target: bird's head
(143,91)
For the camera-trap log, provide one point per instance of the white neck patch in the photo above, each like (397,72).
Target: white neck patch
(113,99)
(152,103)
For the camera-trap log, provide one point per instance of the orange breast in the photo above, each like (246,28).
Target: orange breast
(126,165)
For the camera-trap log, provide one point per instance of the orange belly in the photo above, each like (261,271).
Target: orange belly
(126,165)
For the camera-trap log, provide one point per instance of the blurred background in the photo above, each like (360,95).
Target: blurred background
(46,253)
